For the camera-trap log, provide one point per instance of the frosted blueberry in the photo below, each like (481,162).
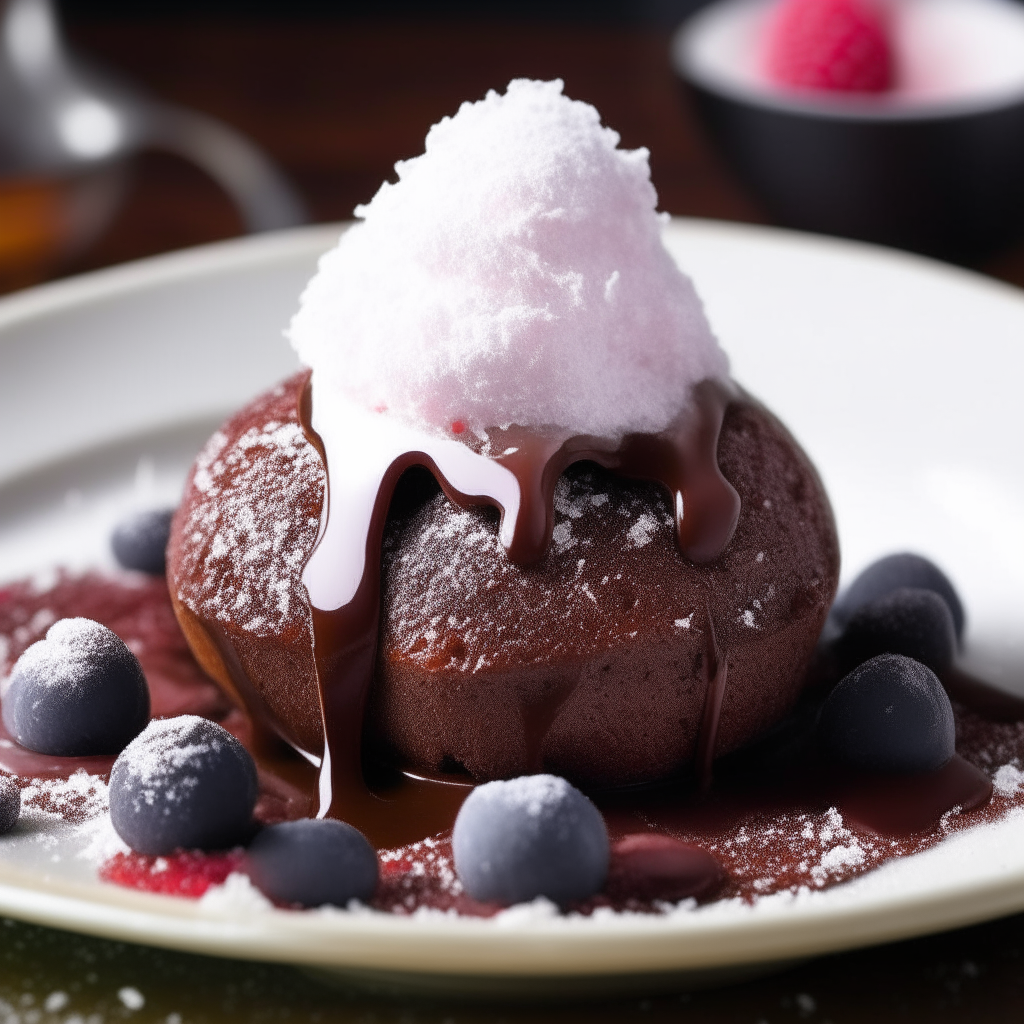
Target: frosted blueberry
(184,783)
(910,621)
(140,541)
(893,573)
(890,714)
(10,804)
(532,836)
(312,862)
(78,691)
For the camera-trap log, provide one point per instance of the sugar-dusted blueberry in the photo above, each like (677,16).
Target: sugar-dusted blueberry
(78,691)
(312,862)
(140,540)
(890,714)
(184,783)
(10,804)
(895,572)
(532,836)
(910,621)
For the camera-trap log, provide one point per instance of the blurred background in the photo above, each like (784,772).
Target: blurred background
(331,93)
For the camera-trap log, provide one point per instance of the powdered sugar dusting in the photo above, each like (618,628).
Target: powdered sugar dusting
(514,274)
(235,895)
(64,823)
(538,795)
(252,515)
(445,557)
(69,654)
(774,860)
(1008,780)
(79,798)
(162,750)
(792,852)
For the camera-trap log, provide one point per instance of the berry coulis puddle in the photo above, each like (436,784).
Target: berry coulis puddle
(791,828)
(189,873)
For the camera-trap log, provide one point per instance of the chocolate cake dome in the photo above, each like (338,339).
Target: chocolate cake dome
(594,664)
(515,516)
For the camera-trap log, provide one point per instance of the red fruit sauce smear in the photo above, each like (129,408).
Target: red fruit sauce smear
(830,45)
(187,873)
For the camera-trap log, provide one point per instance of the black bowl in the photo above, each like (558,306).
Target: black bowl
(941,174)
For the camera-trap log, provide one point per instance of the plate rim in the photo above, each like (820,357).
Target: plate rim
(543,948)
(524,949)
(269,247)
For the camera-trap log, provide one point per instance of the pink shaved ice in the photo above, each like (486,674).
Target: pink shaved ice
(515,273)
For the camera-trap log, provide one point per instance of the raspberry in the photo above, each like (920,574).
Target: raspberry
(832,45)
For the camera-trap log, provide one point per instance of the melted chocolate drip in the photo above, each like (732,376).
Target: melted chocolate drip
(683,458)
(900,805)
(717,673)
(539,716)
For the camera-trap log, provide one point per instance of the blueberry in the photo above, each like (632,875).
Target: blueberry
(890,714)
(77,692)
(915,623)
(527,837)
(312,862)
(185,783)
(140,540)
(10,804)
(893,573)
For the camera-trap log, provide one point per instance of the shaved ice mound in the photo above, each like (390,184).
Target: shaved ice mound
(515,274)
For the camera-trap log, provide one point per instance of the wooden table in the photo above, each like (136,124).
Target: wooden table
(336,104)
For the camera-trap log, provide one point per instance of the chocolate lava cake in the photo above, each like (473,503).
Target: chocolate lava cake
(595,664)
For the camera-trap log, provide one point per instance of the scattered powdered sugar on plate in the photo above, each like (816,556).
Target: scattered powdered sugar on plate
(1008,780)
(77,799)
(773,861)
(236,895)
(64,827)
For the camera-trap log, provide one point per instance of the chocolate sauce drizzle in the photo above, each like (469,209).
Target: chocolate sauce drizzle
(717,674)
(683,459)
(515,470)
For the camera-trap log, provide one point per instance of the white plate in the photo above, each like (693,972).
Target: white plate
(900,376)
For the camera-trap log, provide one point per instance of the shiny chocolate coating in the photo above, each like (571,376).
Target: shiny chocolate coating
(595,663)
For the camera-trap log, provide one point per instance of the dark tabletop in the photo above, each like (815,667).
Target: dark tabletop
(337,103)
